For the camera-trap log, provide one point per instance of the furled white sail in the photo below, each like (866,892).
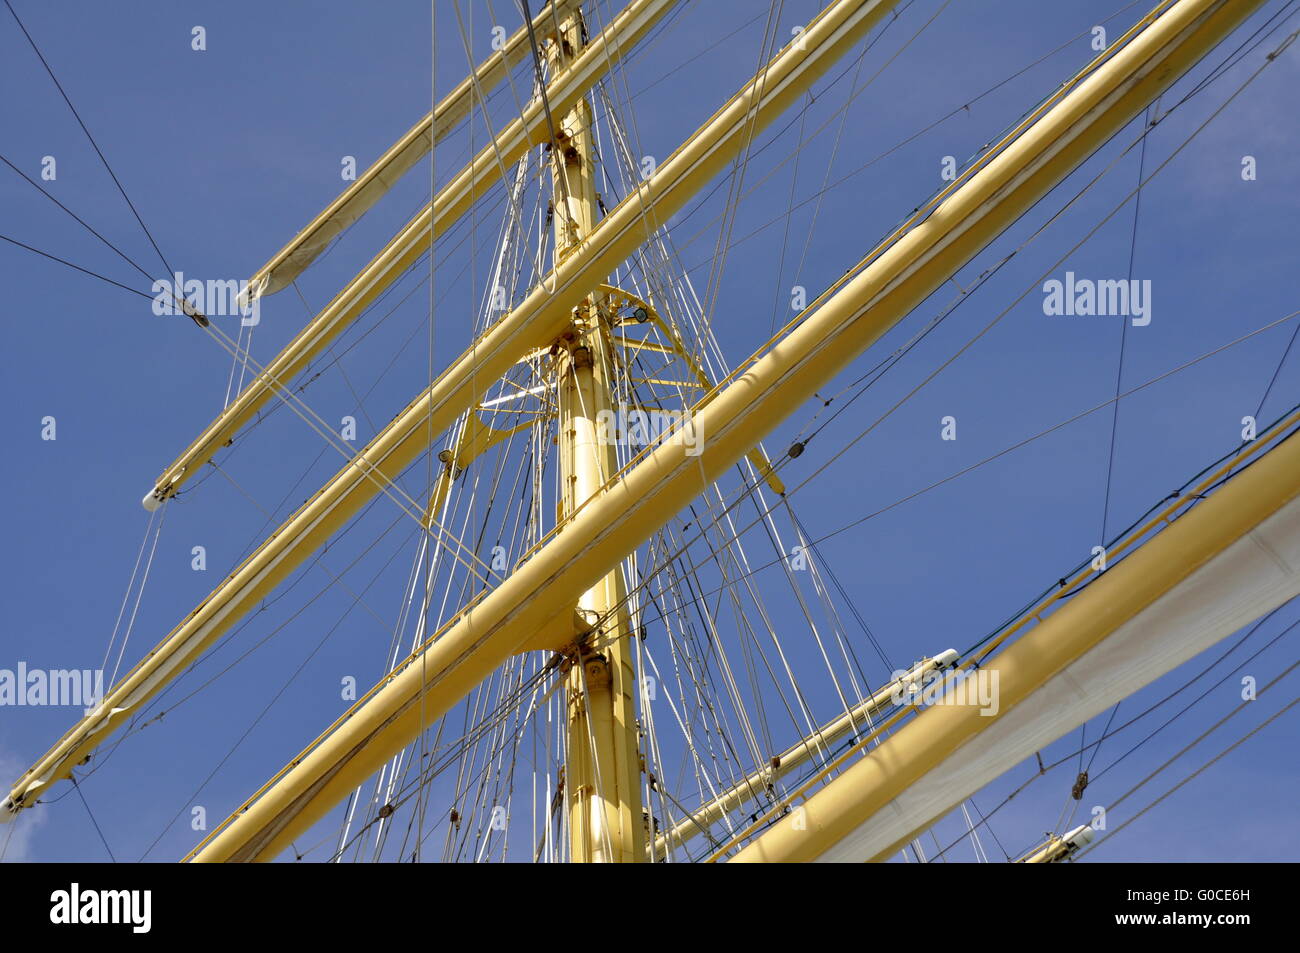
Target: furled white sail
(1251,577)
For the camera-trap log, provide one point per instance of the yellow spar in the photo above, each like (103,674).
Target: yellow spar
(451,202)
(753,786)
(1242,543)
(294,258)
(536,322)
(725,426)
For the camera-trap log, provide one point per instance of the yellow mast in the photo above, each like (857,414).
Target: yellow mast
(1074,122)
(536,322)
(452,201)
(589,547)
(603,768)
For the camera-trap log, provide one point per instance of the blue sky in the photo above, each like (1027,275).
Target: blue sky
(228,152)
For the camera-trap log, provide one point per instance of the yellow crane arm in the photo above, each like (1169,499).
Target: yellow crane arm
(643,498)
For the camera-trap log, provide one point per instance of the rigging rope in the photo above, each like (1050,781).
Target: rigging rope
(36,49)
(1204,767)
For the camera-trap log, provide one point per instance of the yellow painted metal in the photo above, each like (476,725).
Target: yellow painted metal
(452,201)
(759,782)
(603,773)
(1051,851)
(1033,615)
(617,297)
(1059,848)
(641,499)
(538,321)
(544,316)
(401,157)
(1113,599)
(474,440)
(602,766)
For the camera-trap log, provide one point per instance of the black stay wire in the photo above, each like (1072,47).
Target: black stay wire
(77,787)
(64,261)
(81,221)
(93,143)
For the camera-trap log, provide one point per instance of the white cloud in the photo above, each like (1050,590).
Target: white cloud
(16,836)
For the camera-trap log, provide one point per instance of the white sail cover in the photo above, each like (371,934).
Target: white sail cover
(1253,576)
